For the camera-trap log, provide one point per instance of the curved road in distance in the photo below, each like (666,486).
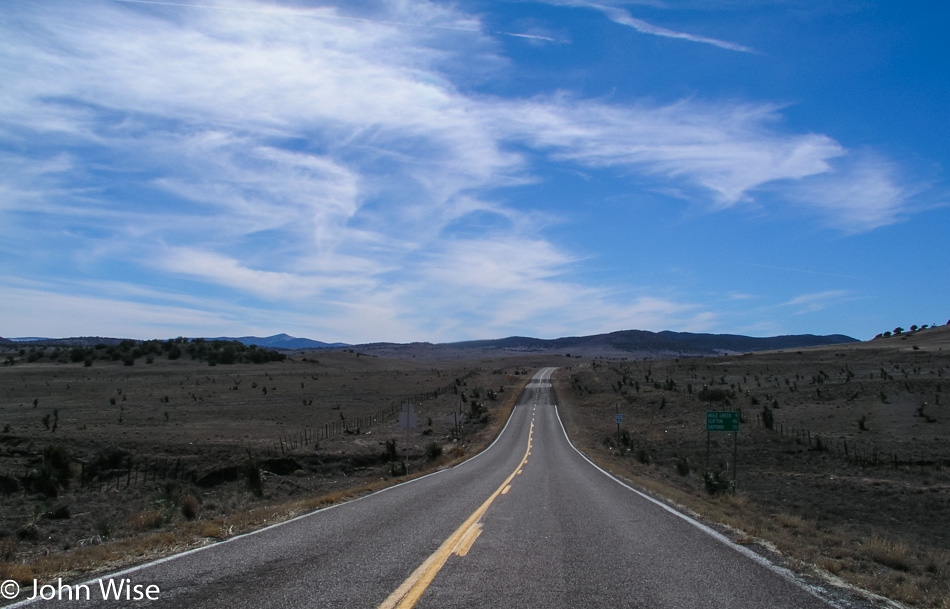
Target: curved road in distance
(527,523)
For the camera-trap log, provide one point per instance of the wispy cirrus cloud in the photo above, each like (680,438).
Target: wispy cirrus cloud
(339,165)
(859,192)
(811,303)
(727,149)
(623,17)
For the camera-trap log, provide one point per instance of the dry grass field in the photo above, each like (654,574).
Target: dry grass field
(843,459)
(852,480)
(111,464)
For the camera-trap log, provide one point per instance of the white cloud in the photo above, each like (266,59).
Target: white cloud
(729,150)
(811,303)
(45,312)
(336,163)
(858,193)
(623,17)
(215,268)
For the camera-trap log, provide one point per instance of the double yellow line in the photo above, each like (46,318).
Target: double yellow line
(408,594)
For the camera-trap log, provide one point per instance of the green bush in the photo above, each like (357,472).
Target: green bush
(717,482)
(433,451)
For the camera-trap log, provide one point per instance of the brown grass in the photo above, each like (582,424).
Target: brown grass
(857,519)
(893,553)
(173,524)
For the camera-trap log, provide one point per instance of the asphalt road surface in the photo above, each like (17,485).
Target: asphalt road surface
(527,523)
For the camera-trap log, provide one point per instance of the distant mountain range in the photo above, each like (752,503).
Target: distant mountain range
(278,341)
(283,341)
(626,343)
(666,341)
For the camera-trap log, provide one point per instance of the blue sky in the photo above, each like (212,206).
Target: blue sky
(427,171)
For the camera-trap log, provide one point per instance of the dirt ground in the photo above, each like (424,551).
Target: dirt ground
(853,476)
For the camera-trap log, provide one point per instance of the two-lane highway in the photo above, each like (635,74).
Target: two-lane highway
(528,523)
(568,535)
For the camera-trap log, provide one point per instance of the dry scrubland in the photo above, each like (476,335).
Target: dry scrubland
(852,481)
(111,464)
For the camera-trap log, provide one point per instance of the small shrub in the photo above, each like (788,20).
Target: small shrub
(60,512)
(148,520)
(53,473)
(717,482)
(252,473)
(110,459)
(390,453)
(29,532)
(8,548)
(682,466)
(433,451)
(893,554)
(189,507)
(643,456)
(103,529)
(212,530)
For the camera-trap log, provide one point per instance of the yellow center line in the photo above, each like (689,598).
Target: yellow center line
(465,544)
(410,591)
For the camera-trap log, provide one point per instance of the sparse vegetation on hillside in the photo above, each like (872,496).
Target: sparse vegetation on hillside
(898,331)
(112,460)
(130,352)
(843,458)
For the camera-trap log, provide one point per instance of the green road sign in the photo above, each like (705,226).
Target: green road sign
(722,421)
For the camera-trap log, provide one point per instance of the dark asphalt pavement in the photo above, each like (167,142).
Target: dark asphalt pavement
(559,534)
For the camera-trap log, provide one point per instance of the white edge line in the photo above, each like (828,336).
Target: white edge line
(782,571)
(165,559)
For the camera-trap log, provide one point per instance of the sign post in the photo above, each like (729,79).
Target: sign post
(407,420)
(618,419)
(725,420)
